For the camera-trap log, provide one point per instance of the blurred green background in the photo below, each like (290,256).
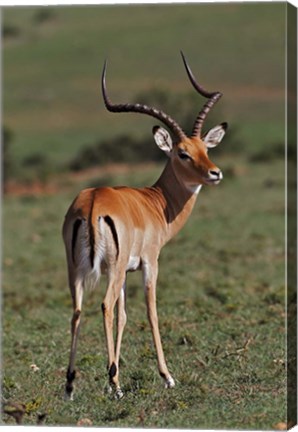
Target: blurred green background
(222,279)
(53,59)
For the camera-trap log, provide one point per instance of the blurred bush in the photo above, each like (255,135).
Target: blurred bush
(123,148)
(37,166)
(8,166)
(43,15)
(10,31)
(276,151)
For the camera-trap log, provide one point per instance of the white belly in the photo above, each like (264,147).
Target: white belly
(133,263)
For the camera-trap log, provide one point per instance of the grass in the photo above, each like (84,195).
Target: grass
(221,309)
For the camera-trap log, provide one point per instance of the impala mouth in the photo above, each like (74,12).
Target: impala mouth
(212,181)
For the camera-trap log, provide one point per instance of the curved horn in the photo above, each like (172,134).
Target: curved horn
(140,108)
(212,96)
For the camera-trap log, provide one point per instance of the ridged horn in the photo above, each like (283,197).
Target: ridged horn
(213,97)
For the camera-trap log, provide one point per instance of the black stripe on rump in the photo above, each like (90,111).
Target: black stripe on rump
(76,227)
(91,233)
(111,224)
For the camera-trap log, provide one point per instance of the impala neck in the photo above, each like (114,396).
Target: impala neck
(178,199)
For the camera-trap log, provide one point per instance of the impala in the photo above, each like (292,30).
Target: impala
(114,230)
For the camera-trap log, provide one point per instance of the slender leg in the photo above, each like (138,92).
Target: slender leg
(150,276)
(121,321)
(113,295)
(77,296)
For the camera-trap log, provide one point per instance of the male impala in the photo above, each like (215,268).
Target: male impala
(114,230)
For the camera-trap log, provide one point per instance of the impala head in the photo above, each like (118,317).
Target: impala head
(188,154)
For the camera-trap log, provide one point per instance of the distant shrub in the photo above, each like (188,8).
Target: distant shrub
(43,15)
(35,160)
(123,148)
(38,166)
(292,149)
(7,135)
(274,151)
(10,31)
(8,166)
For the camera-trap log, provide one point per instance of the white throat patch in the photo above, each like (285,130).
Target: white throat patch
(195,189)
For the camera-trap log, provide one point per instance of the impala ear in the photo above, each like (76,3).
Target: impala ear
(163,139)
(215,135)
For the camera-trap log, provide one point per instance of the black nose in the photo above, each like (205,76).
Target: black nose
(215,174)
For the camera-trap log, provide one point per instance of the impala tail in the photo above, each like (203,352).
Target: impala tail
(85,237)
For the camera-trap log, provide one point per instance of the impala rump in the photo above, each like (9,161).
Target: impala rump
(90,240)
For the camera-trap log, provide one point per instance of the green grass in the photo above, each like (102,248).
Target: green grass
(221,309)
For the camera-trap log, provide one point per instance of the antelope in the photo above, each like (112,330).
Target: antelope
(115,230)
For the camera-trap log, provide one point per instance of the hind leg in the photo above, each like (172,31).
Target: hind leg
(113,293)
(77,297)
(121,321)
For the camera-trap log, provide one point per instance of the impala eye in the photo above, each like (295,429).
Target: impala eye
(183,155)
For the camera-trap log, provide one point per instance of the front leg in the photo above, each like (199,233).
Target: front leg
(150,271)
